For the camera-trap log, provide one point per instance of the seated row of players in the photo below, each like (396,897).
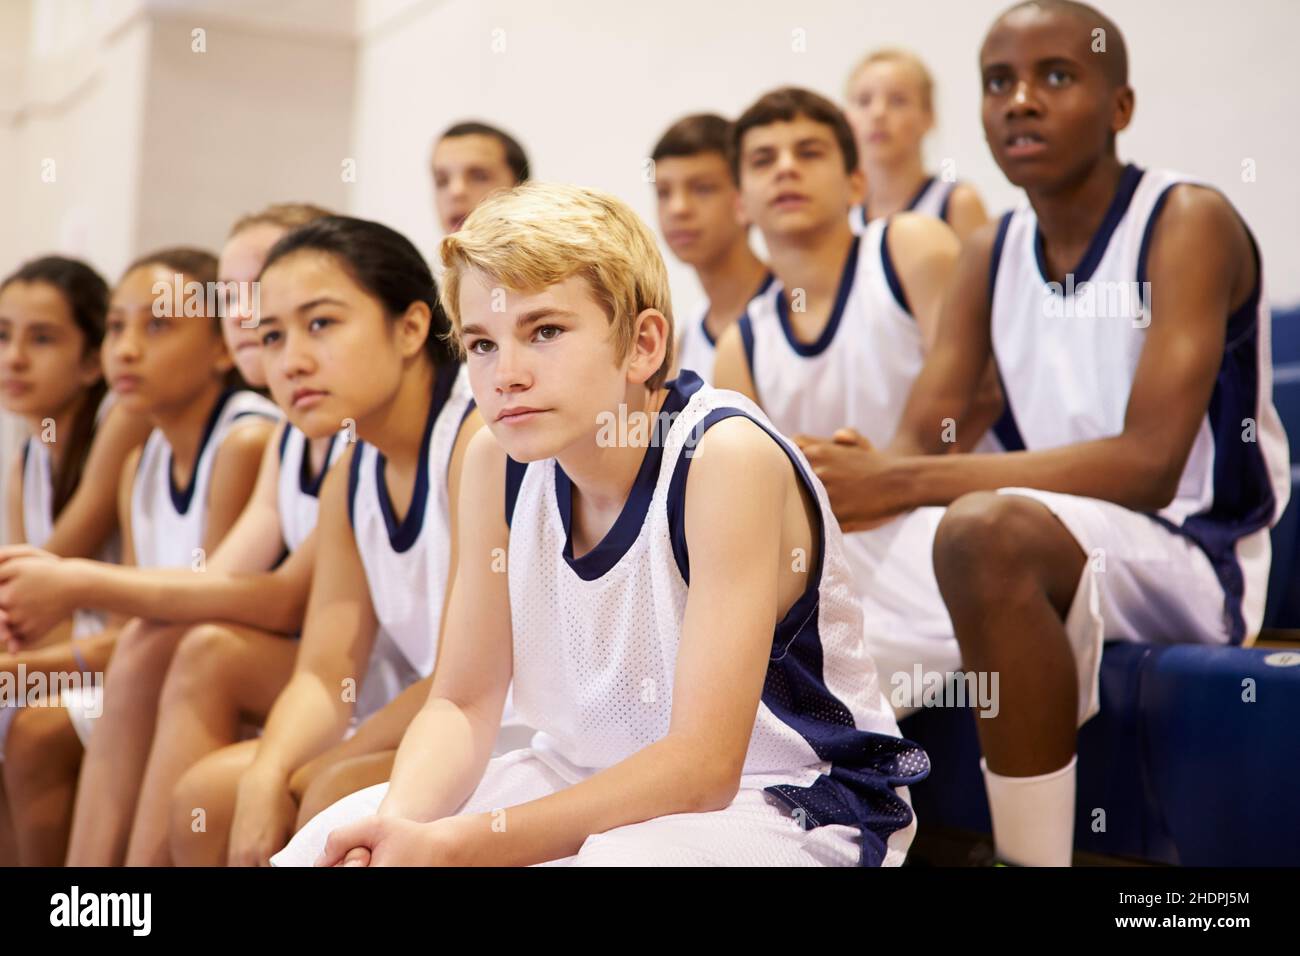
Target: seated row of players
(606,586)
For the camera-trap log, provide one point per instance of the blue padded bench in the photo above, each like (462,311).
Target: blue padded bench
(1185,770)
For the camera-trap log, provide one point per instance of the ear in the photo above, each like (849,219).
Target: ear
(1123,112)
(857,186)
(413,328)
(649,345)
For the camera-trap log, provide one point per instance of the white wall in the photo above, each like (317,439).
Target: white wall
(588,85)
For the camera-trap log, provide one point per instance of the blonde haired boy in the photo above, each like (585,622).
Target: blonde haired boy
(669,598)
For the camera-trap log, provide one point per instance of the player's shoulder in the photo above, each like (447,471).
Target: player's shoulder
(735,449)
(913,238)
(1199,208)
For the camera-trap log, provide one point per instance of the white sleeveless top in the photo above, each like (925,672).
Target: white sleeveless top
(1068,355)
(406,562)
(931,199)
(297,493)
(167,523)
(596,638)
(38,514)
(696,347)
(861,368)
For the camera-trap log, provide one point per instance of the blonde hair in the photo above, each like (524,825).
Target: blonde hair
(537,234)
(286,215)
(898,55)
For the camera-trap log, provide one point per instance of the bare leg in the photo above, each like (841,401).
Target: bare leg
(42,757)
(1008,570)
(203,806)
(336,780)
(8,838)
(221,674)
(115,758)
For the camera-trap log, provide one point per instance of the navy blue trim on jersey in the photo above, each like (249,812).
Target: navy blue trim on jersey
(891,274)
(947,202)
(514,479)
(865,768)
(995,259)
(746,326)
(911,203)
(308,483)
(401,535)
(1005,428)
(1128,184)
(181,497)
(27,447)
(627,527)
(809,349)
(284,440)
(1243,501)
(354,479)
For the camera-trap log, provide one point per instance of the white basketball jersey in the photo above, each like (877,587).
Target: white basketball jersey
(407,562)
(931,200)
(861,368)
(1068,354)
(696,347)
(596,638)
(297,494)
(168,523)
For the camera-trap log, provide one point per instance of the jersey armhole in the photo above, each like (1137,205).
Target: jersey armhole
(746,327)
(995,259)
(354,479)
(891,274)
(284,441)
(676,498)
(514,479)
(946,206)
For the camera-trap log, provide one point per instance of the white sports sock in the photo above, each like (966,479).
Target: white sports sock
(1033,817)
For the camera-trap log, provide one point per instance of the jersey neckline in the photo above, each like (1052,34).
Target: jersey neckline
(403,534)
(627,527)
(308,483)
(1119,204)
(911,205)
(182,497)
(823,341)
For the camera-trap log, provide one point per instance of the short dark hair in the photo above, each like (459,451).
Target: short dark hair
(516,158)
(1114,59)
(384,263)
(784,105)
(696,134)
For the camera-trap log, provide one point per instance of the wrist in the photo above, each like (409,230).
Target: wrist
(76,579)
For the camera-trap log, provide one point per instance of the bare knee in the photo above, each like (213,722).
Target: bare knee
(200,665)
(42,745)
(143,648)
